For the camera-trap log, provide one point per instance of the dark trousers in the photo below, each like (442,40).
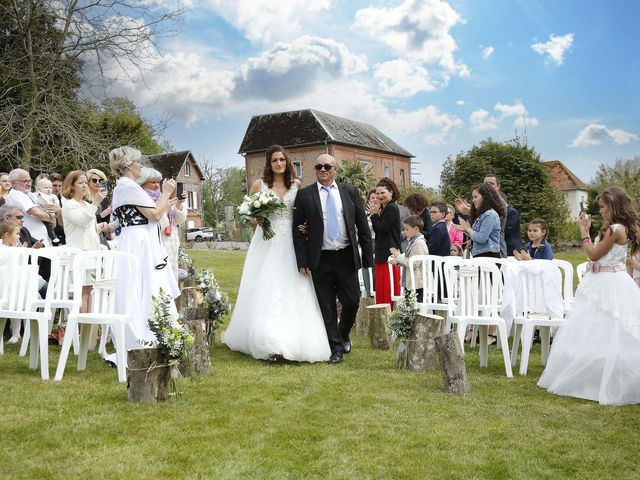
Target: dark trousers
(337,278)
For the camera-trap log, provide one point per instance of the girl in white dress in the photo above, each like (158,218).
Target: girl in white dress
(596,353)
(277,312)
(138,215)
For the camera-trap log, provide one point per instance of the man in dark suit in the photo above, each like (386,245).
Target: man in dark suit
(335,224)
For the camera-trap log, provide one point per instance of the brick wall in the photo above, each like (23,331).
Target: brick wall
(192,184)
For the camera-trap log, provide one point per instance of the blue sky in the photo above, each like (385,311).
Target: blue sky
(438,77)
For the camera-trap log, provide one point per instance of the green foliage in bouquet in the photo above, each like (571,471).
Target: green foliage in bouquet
(216,299)
(260,206)
(172,339)
(185,262)
(403,316)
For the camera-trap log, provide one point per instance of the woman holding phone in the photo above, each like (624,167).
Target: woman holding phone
(97,195)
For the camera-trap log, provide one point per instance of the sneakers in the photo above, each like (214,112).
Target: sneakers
(13,340)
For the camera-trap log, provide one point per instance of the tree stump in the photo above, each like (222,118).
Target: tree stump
(197,361)
(188,294)
(148,380)
(422,348)
(454,371)
(362,317)
(378,322)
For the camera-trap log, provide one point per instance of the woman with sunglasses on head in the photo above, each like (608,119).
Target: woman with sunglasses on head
(385,218)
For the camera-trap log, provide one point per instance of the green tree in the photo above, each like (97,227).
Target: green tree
(522,176)
(355,174)
(220,187)
(624,173)
(416,187)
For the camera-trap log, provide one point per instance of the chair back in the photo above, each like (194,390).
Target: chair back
(451,279)
(478,292)
(395,298)
(581,269)
(61,289)
(567,282)
(430,271)
(19,287)
(102,268)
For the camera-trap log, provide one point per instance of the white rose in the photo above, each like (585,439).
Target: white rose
(257,204)
(244,209)
(264,199)
(217,296)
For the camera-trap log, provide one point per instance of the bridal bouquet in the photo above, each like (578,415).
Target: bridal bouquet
(260,205)
(401,323)
(216,300)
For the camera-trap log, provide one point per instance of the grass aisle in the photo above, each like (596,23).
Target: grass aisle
(360,419)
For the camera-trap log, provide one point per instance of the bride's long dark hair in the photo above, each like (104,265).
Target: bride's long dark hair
(267,173)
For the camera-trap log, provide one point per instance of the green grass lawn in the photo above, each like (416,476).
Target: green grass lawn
(359,419)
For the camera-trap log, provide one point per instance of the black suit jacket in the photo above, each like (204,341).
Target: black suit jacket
(512,231)
(308,208)
(439,242)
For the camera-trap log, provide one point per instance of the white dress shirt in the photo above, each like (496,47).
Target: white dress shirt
(343,239)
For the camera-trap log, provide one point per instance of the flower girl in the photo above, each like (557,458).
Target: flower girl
(596,353)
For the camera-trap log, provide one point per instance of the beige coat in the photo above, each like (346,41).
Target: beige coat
(419,247)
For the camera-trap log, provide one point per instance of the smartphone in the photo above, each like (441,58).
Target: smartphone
(103,185)
(179,189)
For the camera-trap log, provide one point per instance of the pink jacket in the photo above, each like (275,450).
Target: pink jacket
(455,236)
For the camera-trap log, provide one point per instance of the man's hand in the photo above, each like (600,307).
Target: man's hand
(305,271)
(38,244)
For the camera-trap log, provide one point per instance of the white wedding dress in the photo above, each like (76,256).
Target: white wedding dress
(277,311)
(596,354)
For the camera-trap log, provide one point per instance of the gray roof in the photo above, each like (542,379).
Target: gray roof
(169,164)
(313,127)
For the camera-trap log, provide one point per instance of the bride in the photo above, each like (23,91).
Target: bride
(277,312)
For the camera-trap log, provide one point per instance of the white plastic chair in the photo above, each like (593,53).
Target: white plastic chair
(395,298)
(581,269)
(479,306)
(527,320)
(20,298)
(103,266)
(567,283)
(59,292)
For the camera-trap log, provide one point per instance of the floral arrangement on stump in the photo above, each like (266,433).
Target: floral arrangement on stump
(172,339)
(260,205)
(401,323)
(215,299)
(185,262)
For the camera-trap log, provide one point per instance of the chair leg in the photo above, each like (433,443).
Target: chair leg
(104,333)
(504,342)
(25,339)
(85,337)
(3,323)
(460,329)
(484,348)
(474,336)
(545,336)
(64,353)
(517,332)
(33,345)
(43,334)
(527,339)
(121,352)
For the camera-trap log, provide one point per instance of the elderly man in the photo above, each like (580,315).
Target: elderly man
(14,214)
(34,214)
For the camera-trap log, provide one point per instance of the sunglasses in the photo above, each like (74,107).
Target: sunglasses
(326,167)
(95,180)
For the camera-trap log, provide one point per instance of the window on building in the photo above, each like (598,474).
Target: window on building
(402,180)
(387,171)
(191,200)
(187,169)
(297,166)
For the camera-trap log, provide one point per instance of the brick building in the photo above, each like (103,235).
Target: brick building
(306,134)
(574,189)
(182,167)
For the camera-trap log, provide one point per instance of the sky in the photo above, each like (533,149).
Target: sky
(438,77)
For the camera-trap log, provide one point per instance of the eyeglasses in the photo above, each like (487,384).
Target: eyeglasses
(325,166)
(95,180)
(18,217)
(24,181)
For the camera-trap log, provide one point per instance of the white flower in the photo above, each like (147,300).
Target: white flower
(264,199)
(257,204)
(217,296)
(244,209)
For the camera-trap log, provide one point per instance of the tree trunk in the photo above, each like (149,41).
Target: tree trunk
(148,381)
(188,297)
(454,371)
(422,349)
(362,318)
(378,322)
(197,361)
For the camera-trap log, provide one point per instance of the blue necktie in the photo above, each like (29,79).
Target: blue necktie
(333,227)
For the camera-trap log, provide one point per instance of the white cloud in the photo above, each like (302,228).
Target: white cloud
(555,48)
(400,78)
(594,133)
(266,21)
(418,30)
(460,103)
(481,121)
(487,52)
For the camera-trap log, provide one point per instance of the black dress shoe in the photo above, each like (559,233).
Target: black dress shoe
(347,346)
(335,358)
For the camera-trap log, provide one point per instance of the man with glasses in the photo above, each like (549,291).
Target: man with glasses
(335,224)
(34,215)
(9,213)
